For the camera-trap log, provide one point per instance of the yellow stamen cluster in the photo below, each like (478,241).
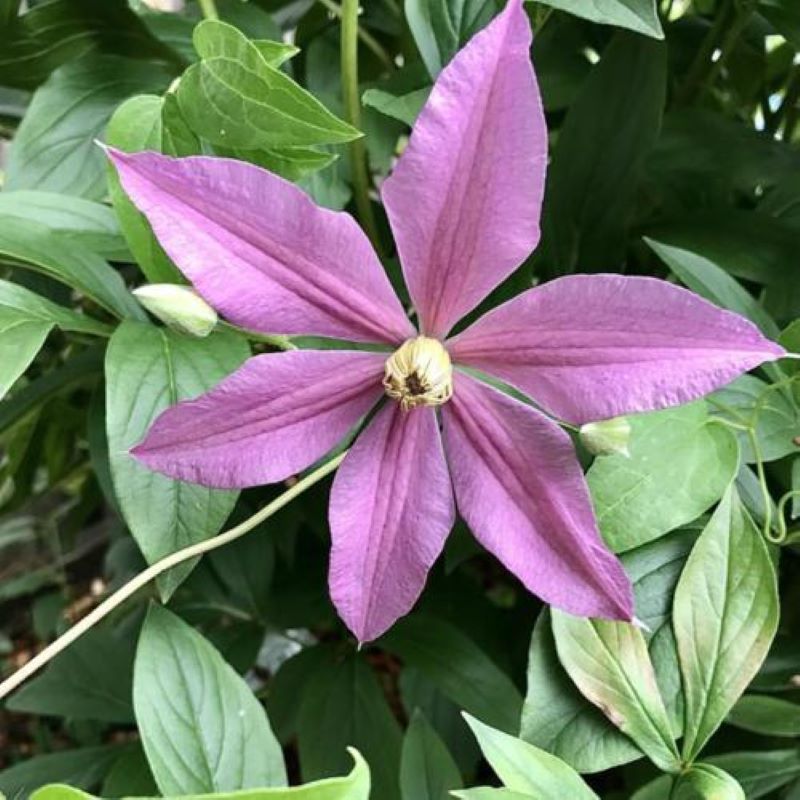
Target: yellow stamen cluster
(419,373)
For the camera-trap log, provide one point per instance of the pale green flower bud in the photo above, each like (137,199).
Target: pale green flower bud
(607,436)
(178,307)
(168,6)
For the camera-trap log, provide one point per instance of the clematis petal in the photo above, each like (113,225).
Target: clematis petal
(260,251)
(589,347)
(465,198)
(274,416)
(391,510)
(521,490)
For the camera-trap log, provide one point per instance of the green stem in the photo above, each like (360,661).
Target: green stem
(783,533)
(154,570)
(352,105)
(209,9)
(369,40)
(788,111)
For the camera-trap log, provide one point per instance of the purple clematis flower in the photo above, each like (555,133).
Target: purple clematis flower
(464,203)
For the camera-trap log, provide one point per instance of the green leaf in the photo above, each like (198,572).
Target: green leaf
(54,148)
(201,726)
(487,793)
(596,164)
(557,718)
(761,772)
(92,679)
(427,770)
(139,124)
(345,706)
(83,223)
(609,663)
(405,107)
(147,370)
(778,417)
(725,617)
(680,464)
(292,163)
(706,782)
(20,340)
(637,15)
(27,304)
(32,244)
(713,283)
(83,767)
(524,768)
(235,98)
(441,27)
(769,716)
(354,786)
(53,33)
(82,368)
(458,667)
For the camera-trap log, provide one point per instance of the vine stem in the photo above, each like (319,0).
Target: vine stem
(352,107)
(369,40)
(154,570)
(209,9)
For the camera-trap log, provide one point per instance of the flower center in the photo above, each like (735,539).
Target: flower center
(419,373)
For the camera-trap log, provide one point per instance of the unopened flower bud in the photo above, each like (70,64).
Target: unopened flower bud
(178,307)
(171,6)
(607,436)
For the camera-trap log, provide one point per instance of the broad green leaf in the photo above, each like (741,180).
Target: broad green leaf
(596,164)
(354,786)
(235,98)
(32,244)
(557,718)
(680,463)
(441,27)
(50,34)
(92,679)
(637,15)
(713,283)
(138,124)
(83,368)
(343,705)
(524,768)
(725,616)
(427,770)
(777,416)
(458,667)
(83,223)
(405,107)
(706,782)
(83,768)
(131,774)
(487,793)
(760,773)
(54,148)
(27,304)
(201,726)
(147,370)
(699,782)
(609,663)
(21,338)
(769,716)
(292,163)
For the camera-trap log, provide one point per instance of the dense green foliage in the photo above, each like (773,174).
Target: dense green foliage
(674,152)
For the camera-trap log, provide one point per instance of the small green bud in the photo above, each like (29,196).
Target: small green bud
(607,436)
(178,307)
